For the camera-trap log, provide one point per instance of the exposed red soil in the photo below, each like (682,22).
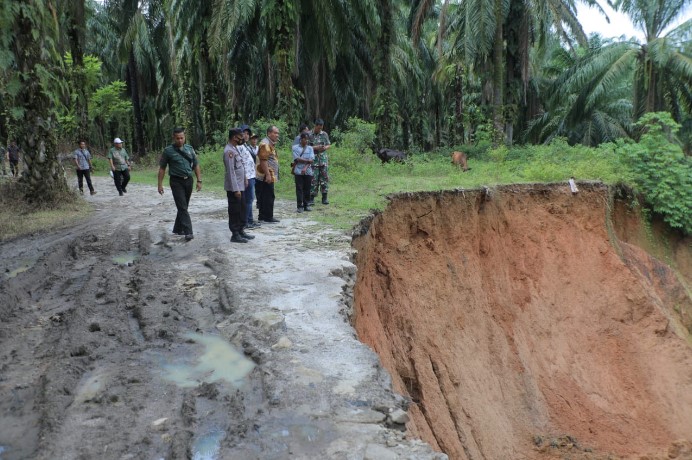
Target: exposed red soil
(521,326)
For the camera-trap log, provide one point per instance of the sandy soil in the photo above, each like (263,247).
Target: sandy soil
(527,323)
(119,340)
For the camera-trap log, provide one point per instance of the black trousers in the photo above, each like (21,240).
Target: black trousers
(121,179)
(265,199)
(182,191)
(84,174)
(303,184)
(237,212)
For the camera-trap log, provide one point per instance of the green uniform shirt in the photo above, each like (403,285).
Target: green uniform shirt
(319,139)
(180,161)
(119,157)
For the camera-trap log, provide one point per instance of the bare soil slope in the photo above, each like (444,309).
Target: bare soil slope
(521,326)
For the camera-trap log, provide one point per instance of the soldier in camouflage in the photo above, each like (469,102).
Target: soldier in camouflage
(319,140)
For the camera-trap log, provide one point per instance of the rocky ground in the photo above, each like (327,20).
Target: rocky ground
(119,340)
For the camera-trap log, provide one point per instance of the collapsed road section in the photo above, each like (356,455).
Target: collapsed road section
(528,321)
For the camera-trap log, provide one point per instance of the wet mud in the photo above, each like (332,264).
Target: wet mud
(119,340)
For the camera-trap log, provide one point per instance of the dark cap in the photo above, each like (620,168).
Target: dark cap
(234,132)
(304,135)
(245,128)
(319,121)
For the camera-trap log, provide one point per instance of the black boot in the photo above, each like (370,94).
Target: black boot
(236,238)
(247,236)
(324,199)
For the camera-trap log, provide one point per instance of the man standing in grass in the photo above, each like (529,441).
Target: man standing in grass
(13,151)
(319,140)
(181,160)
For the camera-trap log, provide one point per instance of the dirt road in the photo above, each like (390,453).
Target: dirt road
(118,340)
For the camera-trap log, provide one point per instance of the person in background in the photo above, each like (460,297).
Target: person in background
(303,129)
(303,156)
(13,151)
(254,139)
(319,140)
(267,175)
(120,165)
(3,152)
(82,159)
(182,161)
(234,183)
(248,154)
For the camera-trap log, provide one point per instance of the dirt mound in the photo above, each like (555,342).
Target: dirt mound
(521,326)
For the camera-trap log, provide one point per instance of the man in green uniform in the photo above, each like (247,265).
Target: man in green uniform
(319,140)
(181,160)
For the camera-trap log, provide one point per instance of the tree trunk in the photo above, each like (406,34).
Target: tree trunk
(385,106)
(45,176)
(458,127)
(138,144)
(76,34)
(498,74)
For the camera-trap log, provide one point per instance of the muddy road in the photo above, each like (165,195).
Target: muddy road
(119,340)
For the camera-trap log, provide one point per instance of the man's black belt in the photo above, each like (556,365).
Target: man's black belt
(182,177)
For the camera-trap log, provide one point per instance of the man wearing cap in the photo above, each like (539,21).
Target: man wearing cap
(234,183)
(267,175)
(82,158)
(248,154)
(319,140)
(120,165)
(182,161)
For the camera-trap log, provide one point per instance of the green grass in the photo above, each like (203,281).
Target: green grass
(360,183)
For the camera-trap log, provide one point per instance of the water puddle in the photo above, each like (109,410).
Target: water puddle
(207,447)
(128,258)
(24,265)
(218,362)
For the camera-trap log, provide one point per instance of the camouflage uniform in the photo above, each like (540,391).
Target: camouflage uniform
(320,179)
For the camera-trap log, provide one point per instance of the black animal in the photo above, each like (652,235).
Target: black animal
(387,155)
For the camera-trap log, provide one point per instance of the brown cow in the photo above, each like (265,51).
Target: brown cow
(459,159)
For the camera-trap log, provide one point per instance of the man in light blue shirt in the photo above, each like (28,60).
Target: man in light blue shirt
(82,158)
(303,157)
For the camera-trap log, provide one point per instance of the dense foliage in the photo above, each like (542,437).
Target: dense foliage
(482,76)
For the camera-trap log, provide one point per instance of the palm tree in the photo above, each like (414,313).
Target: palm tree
(30,34)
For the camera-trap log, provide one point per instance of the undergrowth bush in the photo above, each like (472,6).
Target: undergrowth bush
(662,171)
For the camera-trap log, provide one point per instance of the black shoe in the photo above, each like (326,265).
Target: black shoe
(124,190)
(299,210)
(121,193)
(238,239)
(246,236)
(253,225)
(271,221)
(189,237)
(308,208)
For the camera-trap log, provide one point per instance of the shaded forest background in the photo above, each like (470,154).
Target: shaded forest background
(428,74)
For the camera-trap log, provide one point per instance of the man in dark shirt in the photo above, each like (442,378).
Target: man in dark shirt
(182,162)
(13,155)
